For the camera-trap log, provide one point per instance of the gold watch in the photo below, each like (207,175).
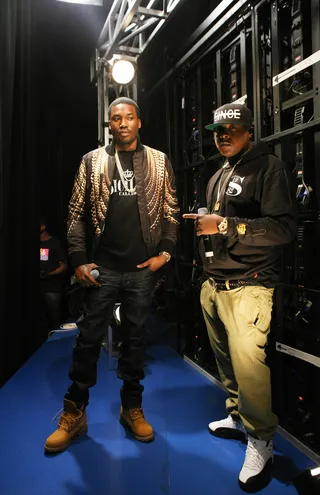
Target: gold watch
(167,255)
(223,226)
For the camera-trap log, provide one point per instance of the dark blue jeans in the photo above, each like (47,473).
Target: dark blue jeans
(134,290)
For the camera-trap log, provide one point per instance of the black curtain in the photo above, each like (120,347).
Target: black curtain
(67,100)
(19,230)
(48,120)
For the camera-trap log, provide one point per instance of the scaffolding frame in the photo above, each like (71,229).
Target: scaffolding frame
(130,27)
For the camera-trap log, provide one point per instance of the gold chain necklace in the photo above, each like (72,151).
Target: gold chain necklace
(221,188)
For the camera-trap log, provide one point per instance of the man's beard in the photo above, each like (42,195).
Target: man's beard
(126,141)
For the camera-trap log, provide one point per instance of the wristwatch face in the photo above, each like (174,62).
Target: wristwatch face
(167,255)
(223,226)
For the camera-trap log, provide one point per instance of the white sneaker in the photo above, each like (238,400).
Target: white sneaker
(256,470)
(228,428)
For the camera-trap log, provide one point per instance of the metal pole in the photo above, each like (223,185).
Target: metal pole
(146,25)
(106,30)
(199,113)
(215,14)
(135,88)
(218,78)
(196,47)
(121,29)
(168,113)
(100,106)
(243,62)
(106,105)
(183,120)
(120,18)
(315,19)
(275,34)
(176,118)
(256,78)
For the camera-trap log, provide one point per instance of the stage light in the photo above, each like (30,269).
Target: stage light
(123,71)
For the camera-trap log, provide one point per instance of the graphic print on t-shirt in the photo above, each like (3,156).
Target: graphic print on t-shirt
(121,247)
(235,186)
(126,189)
(44,254)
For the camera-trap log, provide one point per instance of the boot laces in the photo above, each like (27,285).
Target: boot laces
(67,421)
(255,458)
(136,413)
(55,417)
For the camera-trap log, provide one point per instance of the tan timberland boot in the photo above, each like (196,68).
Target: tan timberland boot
(72,423)
(134,421)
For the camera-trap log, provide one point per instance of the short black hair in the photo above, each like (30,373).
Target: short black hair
(43,220)
(126,101)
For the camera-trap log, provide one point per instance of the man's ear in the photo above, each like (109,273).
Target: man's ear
(140,124)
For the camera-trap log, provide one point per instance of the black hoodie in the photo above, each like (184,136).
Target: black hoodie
(259,204)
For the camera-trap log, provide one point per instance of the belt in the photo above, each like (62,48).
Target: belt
(228,284)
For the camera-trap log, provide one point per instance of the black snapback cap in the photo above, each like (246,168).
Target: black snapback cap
(231,113)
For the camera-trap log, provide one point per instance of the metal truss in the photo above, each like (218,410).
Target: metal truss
(130,27)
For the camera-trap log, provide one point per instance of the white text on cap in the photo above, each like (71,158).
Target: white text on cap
(227,114)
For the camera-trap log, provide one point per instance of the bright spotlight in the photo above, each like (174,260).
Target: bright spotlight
(123,71)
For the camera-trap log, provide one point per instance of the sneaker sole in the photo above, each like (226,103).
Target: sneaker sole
(79,433)
(137,437)
(229,434)
(259,483)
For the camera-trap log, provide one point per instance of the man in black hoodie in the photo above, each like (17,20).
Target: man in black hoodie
(252,215)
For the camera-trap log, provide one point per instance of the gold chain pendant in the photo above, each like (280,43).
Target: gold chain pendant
(217,206)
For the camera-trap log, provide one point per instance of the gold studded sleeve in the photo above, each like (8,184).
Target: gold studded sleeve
(76,225)
(171,211)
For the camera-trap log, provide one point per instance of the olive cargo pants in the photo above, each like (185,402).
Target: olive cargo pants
(238,324)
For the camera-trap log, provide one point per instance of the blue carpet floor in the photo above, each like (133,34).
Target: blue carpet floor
(178,401)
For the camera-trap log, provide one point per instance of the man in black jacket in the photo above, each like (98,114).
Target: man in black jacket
(252,215)
(123,221)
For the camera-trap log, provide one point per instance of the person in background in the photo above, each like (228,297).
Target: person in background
(251,202)
(53,266)
(123,221)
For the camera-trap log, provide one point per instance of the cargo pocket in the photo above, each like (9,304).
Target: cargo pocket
(255,306)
